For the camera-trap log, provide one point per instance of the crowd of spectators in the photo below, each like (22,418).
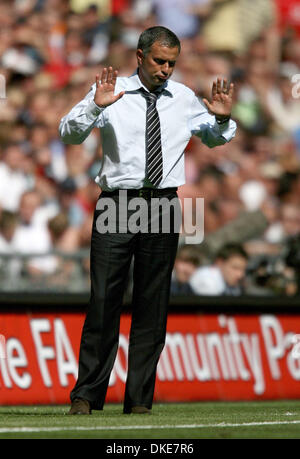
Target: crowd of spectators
(50,52)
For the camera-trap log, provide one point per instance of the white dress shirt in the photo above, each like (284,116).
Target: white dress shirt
(13,183)
(207,280)
(123,125)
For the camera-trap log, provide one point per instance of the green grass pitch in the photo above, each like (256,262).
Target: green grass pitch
(203,420)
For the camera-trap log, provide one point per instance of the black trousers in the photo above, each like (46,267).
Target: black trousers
(153,254)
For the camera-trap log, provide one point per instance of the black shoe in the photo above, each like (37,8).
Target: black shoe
(80,406)
(140,410)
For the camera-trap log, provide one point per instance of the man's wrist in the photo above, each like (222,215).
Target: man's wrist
(92,110)
(101,107)
(222,119)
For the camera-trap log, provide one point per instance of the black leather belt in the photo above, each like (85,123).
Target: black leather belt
(146,193)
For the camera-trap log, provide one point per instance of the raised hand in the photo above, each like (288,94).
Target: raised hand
(105,87)
(221,103)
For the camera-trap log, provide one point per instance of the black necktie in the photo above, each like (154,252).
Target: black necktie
(154,160)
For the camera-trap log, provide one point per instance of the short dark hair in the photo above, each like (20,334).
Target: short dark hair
(190,254)
(7,220)
(162,35)
(230,250)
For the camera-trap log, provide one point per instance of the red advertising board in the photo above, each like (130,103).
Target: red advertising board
(206,357)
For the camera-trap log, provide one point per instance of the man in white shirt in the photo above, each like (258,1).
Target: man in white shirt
(13,180)
(32,235)
(225,277)
(146,122)
(8,268)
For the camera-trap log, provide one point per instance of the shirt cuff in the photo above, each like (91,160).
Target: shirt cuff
(92,110)
(225,129)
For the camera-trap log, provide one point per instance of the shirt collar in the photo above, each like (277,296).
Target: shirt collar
(135,84)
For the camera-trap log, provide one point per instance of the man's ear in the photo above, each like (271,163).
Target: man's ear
(218,262)
(139,56)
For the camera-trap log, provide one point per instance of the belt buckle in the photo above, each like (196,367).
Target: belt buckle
(146,194)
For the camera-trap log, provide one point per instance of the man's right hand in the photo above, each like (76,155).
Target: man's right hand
(105,87)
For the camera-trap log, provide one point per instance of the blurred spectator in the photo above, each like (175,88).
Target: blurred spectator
(287,226)
(65,241)
(85,232)
(69,202)
(13,180)
(103,7)
(248,108)
(292,260)
(208,186)
(30,237)
(63,237)
(187,261)
(95,34)
(8,225)
(279,103)
(240,21)
(9,266)
(225,276)
(183,17)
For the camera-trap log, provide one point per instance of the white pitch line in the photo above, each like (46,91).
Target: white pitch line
(145,427)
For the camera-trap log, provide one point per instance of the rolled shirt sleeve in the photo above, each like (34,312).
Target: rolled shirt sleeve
(75,127)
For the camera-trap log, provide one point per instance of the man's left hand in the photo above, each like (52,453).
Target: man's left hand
(221,104)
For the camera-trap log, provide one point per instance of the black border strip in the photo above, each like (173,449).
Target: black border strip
(63,302)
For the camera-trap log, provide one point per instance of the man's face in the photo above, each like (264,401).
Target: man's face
(28,205)
(184,270)
(233,270)
(156,66)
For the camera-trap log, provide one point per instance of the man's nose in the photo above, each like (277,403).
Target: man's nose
(240,276)
(165,68)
